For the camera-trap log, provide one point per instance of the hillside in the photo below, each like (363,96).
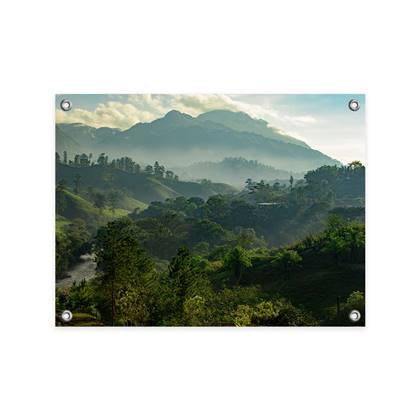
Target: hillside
(141,187)
(234,170)
(180,140)
(240,121)
(77,207)
(65,143)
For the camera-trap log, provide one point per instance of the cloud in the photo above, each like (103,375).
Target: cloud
(299,119)
(110,114)
(197,104)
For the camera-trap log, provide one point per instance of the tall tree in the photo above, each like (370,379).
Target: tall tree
(291,181)
(159,170)
(185,281)
(124,267)
(237,260)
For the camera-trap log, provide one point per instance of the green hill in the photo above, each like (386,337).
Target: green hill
(140,187)
(77,207)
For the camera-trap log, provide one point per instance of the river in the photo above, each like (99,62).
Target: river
(85,269)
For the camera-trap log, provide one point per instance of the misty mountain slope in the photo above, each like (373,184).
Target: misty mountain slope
(179,140)
(234,170)
(240,121)
(64,142)
(90,136)
(140,187)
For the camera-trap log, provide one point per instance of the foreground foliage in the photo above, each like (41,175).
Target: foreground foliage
(194,291)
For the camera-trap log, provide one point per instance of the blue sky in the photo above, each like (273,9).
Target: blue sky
(323,121)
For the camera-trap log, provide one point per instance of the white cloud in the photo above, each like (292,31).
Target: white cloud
(110,114)
(299,119)
(197,104)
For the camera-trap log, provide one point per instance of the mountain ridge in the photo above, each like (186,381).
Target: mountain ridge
(180,139)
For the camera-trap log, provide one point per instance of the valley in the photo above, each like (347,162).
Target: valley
(215,220)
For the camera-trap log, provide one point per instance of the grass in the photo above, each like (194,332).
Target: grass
(80,207)
(130,203)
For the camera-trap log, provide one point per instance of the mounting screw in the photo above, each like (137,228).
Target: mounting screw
(354,315)
(354,105)
(66,316)
(66,105)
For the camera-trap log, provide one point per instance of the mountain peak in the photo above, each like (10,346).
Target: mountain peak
(175,115)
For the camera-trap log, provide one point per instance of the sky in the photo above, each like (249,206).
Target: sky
(323,121)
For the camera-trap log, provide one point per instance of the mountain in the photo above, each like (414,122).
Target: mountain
(240,121)
(234,171)
(64,142)
(179,139)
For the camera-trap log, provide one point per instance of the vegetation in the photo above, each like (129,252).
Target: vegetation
(274,254)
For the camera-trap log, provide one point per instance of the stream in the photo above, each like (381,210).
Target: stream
(85,269)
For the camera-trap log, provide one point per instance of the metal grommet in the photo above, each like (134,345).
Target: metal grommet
(354,105)
(66,105)
(354,315)
(66,316)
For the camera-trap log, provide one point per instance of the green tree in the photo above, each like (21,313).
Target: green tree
(81,298)
(289,259)
(195,311)
(159,170)
(237,260)
(185,280)
(124,269)
(272,313)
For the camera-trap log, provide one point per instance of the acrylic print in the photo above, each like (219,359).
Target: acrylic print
(210,210)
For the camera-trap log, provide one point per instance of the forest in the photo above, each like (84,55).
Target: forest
(174,252)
